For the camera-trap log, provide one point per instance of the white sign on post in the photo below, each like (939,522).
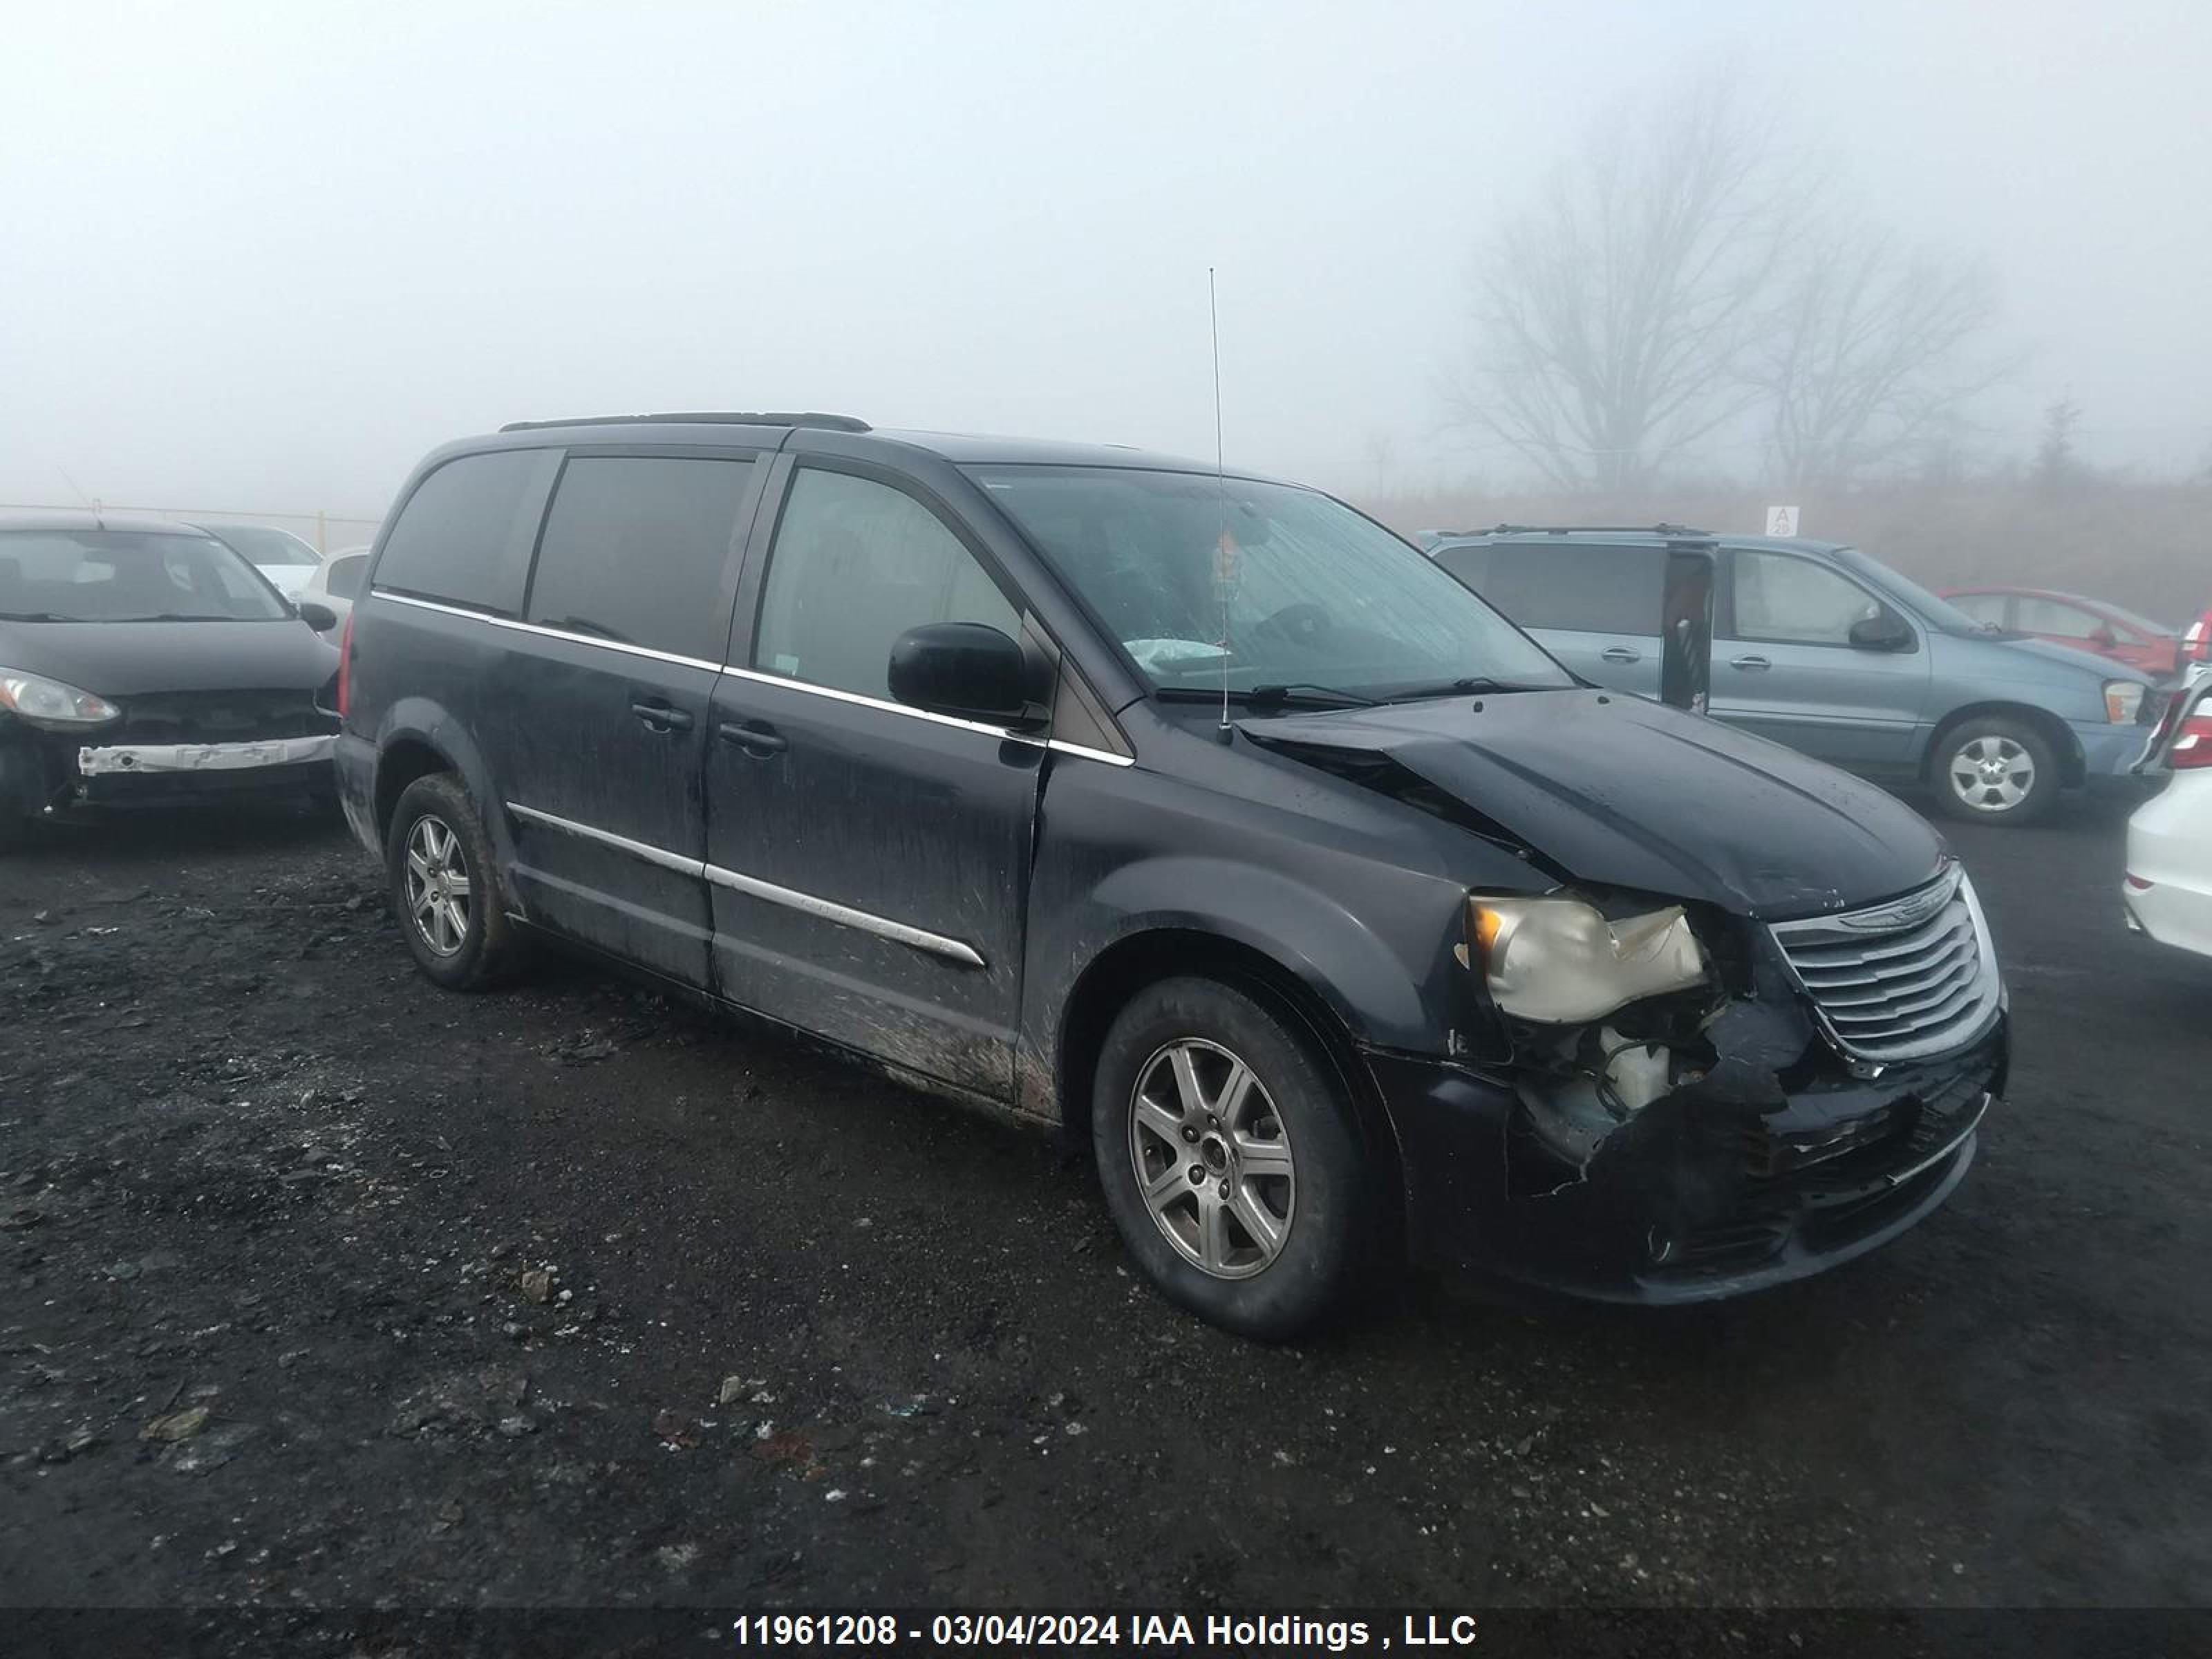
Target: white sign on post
(1781,521)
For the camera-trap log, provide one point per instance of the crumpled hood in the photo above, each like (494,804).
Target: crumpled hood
(124,659)
(1627,792)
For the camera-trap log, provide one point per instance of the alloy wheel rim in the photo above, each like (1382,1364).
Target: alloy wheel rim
(437,890)
(1992,774)
(1212,1158)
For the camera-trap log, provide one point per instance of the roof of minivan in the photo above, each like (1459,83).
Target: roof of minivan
(1642,538)
(75,518)
(961,448)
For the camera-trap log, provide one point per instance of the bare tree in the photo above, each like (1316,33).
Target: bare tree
(1610,320)
(2056,464)
(1868,351)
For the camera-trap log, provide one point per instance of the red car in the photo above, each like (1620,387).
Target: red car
(2092,625)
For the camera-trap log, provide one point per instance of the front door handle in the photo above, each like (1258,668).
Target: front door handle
(659,717)
(757,740)
(1751,664)
(1620,653)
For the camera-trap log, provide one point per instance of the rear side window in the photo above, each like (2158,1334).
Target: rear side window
(856,564)
(1578,588)
(465,534)
(637,550)
(1470,563)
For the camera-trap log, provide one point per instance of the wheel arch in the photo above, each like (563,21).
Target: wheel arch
(2073,769)
(1125,968)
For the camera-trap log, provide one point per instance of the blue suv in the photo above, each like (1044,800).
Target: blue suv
(1820,648)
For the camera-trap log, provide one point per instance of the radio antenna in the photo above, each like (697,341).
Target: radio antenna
(1222,556)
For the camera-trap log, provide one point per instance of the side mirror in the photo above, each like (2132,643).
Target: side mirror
(1882,633)
(968,669)
(320,617)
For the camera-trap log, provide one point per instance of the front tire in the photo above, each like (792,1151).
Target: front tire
(1230,1159)
(1991,770)
(445,888)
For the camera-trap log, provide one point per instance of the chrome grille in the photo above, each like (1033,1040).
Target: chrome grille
(1903,979)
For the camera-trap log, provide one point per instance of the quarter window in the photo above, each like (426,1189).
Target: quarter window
(637,550)
(1795,601)
(856,564)
(465,533)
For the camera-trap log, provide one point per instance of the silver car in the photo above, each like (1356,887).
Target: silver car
(1820,648)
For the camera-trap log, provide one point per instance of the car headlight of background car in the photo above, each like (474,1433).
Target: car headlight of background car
(2122,700)
(1559,959)
(49,702)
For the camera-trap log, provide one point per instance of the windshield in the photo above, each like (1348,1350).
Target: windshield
(104,575)
(265,546)
(1299,593)
(1935,612)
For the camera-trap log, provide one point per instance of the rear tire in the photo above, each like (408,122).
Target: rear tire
(445,888)
(1988,769)
(1262,1204)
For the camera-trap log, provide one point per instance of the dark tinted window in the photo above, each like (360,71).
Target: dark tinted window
(1577,588)
(1470,563)
(857,563)
(637,549)
(466,529)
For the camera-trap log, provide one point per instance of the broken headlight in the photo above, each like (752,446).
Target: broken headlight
(49,702)
(1560,959)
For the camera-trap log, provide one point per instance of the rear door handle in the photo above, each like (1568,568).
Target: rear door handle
(757,740)
(659,717)
(1751,664)
(1620,653)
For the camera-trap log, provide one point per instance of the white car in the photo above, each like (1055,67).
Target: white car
(286,560)
(2168,889)
(337,581)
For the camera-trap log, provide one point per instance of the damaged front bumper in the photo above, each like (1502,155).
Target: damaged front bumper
(45,774)
(1782,1160)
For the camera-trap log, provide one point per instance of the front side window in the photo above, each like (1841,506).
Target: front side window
(1795,602)
(101,576)
(1208,581)
(1986,608)
(855,564)
(2060,621)
(637,548)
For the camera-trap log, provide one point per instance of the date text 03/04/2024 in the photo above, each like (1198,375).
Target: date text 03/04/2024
(1085,1630)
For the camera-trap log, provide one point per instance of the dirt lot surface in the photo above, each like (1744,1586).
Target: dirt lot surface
(324,1286)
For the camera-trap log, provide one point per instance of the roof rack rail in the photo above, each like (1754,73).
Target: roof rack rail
(1662,528)
(703,417)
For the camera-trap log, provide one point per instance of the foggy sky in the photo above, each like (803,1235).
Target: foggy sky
(263,257)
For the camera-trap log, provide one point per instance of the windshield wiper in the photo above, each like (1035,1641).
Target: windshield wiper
(1468,683)
(184,616)
(1270,697)
(30,616)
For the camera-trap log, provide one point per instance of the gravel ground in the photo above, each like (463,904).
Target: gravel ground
(324,1286)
